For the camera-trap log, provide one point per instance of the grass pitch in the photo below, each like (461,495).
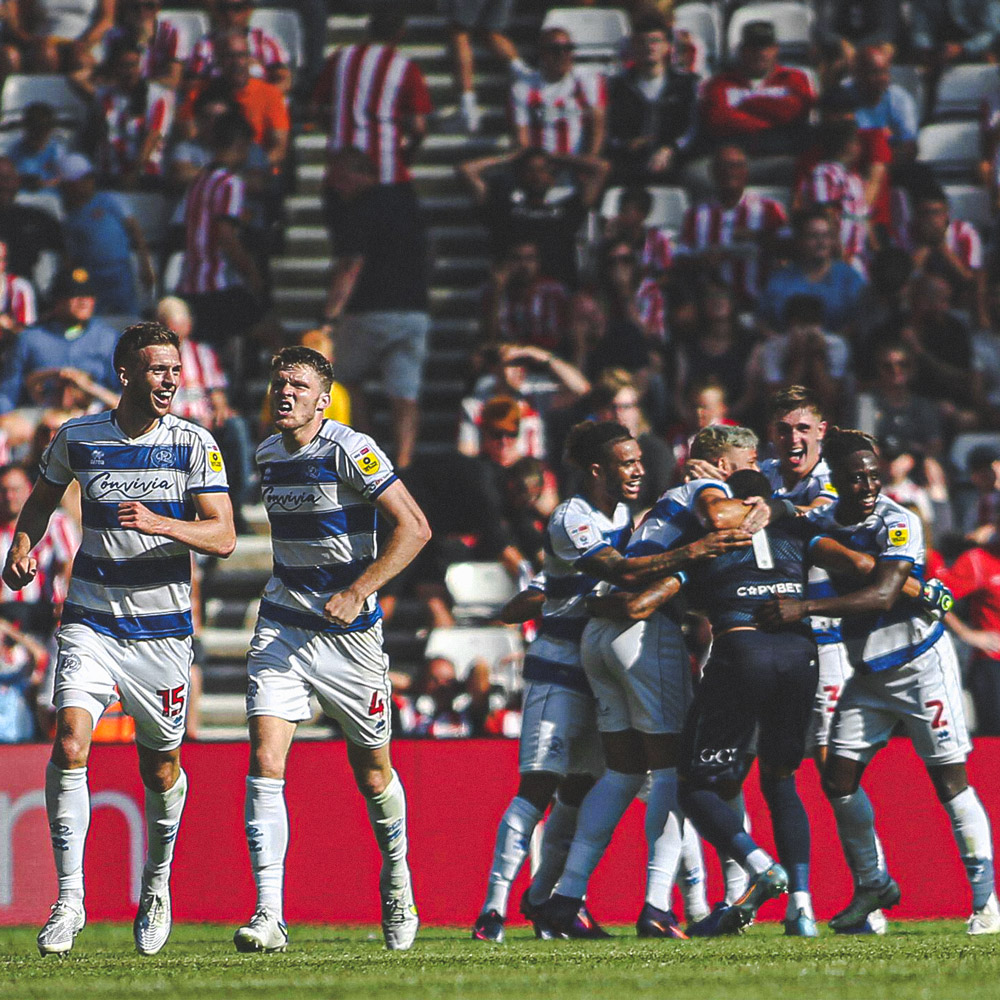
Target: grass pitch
(936,960)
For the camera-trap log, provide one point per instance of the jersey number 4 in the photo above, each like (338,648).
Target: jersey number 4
(173,701)
(377,705)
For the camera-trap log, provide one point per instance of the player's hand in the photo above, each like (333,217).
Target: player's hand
(780,611)
(343,607)
(716,543)
(138,517)
(759,515)
(698,468)
(19,573)
(936,599)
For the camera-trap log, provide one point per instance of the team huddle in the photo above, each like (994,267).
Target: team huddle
(824,638)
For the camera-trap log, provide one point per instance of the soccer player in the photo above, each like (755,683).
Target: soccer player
(905,672)
(585,538)
(319,632)
(638,670)
(153,487)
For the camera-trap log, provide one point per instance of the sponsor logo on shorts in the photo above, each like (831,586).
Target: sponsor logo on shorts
(215,460)
(728,755)
(97,457)
(252,688)
(767,589)
(556,746)
(367,461)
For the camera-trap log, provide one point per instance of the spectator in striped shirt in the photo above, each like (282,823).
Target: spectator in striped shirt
(268,57)
(559,107)
(160,43)
(17,300)
(377,99)
(735,231)
(653,244)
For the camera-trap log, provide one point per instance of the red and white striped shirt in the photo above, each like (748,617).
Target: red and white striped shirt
(17,300)
(266,52)
(709,225)
(54,553)
(657,251)
(372,90)
(832,183)
(165,47)
(651,304)
(126,131)
(216,193)
(540,317)
(200,376)
(557,115)
(962,239)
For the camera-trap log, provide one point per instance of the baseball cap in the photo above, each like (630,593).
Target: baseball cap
(758,34)
(501,414)
(75,167)
(71,283)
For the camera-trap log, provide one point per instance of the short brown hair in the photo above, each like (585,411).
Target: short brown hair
(140,335)
(305,357)
(794,397)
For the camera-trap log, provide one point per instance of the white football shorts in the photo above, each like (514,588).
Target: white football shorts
(640,673)
(559,731)
(834,670)
(925,695)
(348,673)
(150,676)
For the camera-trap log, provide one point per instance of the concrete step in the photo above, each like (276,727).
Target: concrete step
(424,27)
(445,302)
(312,272)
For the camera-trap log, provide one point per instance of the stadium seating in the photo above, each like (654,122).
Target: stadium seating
(597,33)
(911,79)
(951,148)
(478,589)
(793,24)
(704,21)
(190,25)
(782,195)
(151,211)
(669,206)
(286,27)
(963,446)
(19,91)
(499,646)
(47,201)
(962,90)
(971,203)
(172,272)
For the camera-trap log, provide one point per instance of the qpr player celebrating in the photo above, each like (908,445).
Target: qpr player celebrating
(320,632)
(905,671)
(153,488)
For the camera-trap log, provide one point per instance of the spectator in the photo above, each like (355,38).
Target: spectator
(445,708)
(651,107)
(858,23)
(486,20)
(101,236)
(521,205)
(733,232)
(220,280)
(882,302)
(949,248)
(986,354)
(979,508)
(759,104)
(941,32)
(704,406)
(23,662)
(160,43)
(814,270)
(27,230)
(653,244)
(72,340)
(53,37)
(268,57)
(523,306)
(136,116)
(378,290)
(383,113)
(38,153)
(17,302)
(262,103)
(560,106)
(884,105)
(528,505)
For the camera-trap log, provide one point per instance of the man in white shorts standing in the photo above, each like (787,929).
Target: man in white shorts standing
(153,487)
(905,670)
(320,632)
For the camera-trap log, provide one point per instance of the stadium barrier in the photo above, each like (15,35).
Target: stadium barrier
(457,791)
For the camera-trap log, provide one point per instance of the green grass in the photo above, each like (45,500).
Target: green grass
(934,960)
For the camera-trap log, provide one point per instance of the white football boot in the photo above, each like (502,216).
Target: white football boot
(264,932)
(61,929)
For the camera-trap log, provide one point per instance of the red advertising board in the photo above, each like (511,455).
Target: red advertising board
(457,791)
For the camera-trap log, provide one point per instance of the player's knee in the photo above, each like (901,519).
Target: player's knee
(573,789)
(158,773)
(70,750)
(371,781)
(948,783)
(266,762)
(838,786)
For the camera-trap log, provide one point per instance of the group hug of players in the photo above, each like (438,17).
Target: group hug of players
(824,638)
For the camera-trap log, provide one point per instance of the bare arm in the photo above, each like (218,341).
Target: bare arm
(138,241)
(981,639)
(829,554)
(277,146)
(20,568)
(212,534)
(717,511)
(228,239)
(471,173)
(343,277)
(571,378)
(625,606)
(409,535)
(103,23)
(523,607)
(598,130)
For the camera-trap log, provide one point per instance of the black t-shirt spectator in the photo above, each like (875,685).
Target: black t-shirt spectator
(385,226)
(914,427)
(28,231)
(551,226)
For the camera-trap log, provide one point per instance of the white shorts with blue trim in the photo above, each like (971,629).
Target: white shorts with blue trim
(347,672)
(834,671)
(925,695)
(151,677)
(559,731)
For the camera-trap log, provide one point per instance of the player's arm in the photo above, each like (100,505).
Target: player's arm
(982,639)
(523,607)
(20,567)
(409,535)
(343,278)
(625,606)
(717,511)
(212,534)
(829,554)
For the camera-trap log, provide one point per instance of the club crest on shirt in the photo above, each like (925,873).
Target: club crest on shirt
(367,461)
(899,534)
(215,460)
(162,458)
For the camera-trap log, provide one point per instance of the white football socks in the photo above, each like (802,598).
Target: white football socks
(664,837)
(692,874)
(971,827)
(799,901)
(267,838)
(513,842)
(856,828)
(163,818)
(387,815)
(600,813)
(67,803)
(556,838)
(733,873)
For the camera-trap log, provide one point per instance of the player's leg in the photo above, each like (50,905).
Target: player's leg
(691,874)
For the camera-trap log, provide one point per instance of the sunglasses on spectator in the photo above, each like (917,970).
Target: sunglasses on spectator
(558,47)
(500,435)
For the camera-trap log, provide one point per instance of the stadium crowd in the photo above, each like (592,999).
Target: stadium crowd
(815,246)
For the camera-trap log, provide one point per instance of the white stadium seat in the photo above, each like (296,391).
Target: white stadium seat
(47,201)
(782,195)
(962,90)
(911,79)
(478,589)
(704,21)
(172,272)
(151,211)
(500,646)
(19,91)
(669,206)
(597,33)
(190,24)
(286,27)
(793,24)
(951,148)
(971,204)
